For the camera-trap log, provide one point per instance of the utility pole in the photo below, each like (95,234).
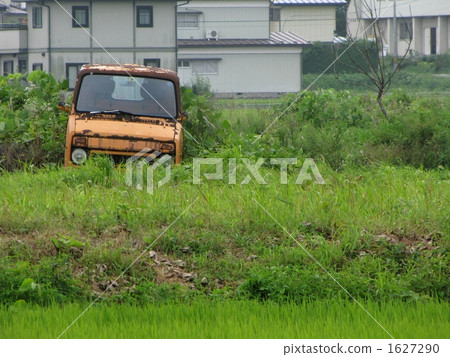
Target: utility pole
(394,45)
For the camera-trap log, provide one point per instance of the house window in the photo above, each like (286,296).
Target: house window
(152,62)
(37,17)
(187,20)
(205,67)
(274,14)
(183,64)
(37,67)
(406,30)
(22,65)
(8,67)
(72,70)
(144,15)
(80,16)
(433,40)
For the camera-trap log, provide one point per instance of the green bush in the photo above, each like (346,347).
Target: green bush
(418,134)
(202,129)
(32,128)
(343,130)
(46,282)
(318,57)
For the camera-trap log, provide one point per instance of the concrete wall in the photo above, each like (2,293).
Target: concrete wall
(231,19)
(315,23)
(248,70)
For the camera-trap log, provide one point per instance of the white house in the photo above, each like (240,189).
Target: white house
(230,44)
(13,38)
(66,34)
(312,19)
(424,23)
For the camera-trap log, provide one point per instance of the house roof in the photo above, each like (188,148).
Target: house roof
(288,38)
(405,8)
(280,39)
(14,11)
(308,2)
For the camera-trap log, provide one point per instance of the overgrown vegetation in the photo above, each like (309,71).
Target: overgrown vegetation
(347,130)
(32,129)
(379,225)
(341,128)
(381,232)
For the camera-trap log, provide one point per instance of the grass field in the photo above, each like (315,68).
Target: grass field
(382,232)
(241,319)
(243,260)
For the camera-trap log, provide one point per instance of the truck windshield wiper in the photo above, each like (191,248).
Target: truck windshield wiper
(117,111)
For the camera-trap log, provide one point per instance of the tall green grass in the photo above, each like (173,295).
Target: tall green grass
(326,319)
(382,232)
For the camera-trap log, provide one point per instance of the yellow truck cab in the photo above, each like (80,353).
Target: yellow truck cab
(120,110)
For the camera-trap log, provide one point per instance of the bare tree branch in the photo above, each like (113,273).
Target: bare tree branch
(375,68)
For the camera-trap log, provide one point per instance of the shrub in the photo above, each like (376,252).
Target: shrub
(343,130)
(32,128)
(319,56)
(201,86)
(202,129)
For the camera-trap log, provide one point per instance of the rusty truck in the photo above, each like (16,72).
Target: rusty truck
(124,110)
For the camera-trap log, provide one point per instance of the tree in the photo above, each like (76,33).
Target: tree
(378,69)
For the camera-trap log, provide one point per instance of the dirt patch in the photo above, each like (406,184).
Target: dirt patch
(33,245)
(412,243)
(171,271)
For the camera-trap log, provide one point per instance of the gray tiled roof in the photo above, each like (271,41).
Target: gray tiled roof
(276,39)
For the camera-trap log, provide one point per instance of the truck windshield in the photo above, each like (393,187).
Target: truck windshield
(121,93)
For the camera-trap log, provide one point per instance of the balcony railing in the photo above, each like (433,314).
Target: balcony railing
(13,27)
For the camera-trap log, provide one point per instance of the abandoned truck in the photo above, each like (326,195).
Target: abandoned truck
(124,110)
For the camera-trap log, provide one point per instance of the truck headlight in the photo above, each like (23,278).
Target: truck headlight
(167,147)
(79,156)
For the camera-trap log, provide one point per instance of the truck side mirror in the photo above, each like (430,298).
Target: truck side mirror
(62,106)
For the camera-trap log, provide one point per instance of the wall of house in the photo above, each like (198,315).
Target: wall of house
(247,70)
(354,25)
(231,19)
(424,15)
(113,28)
(315,23)
(37,37)
(13,47)
(13,40)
